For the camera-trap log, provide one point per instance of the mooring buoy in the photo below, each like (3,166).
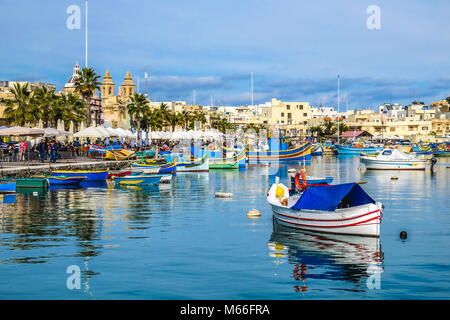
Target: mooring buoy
(253,214)
(403,235)
(224,194)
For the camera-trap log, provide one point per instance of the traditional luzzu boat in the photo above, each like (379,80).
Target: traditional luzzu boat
(316,150)
(303,152)
(238,154)
(341,209)
(346,150)
(422,150)
(91,175)
(65,180)
(231,162)
(393,159)
(122,154)
(183,165)
(32,182)
(138,180)
(7,185)
(157,168)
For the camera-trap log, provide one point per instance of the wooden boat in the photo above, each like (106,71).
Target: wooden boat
(7,185)
(316,150)
(356,150)
(295,154)
(236,155)
(422,150)
(224,165)
(122,154)
(32,182)
(145,153)
(183,165)
(65,180)
(119,173)
(341,209)
(393,159)
(138,180)
(313,180)
(162,168)
(90,175)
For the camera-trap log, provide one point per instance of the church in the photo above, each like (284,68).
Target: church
(107,105)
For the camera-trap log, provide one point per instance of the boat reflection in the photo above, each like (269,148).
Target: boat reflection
(326,257)
(94,184)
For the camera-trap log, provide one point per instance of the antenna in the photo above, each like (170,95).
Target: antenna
(86,33)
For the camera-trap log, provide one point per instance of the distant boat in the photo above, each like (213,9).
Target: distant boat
(184,165)
(224,165)
(356,150)
(393,159)
(316,150)
(91,175)
(122,154)
(341,209)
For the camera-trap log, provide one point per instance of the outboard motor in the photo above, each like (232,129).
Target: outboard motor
(433,162)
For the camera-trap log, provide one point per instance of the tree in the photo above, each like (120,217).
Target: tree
(186,118)
(329,128)
(173,119)
(137,108)
(70,107)
(19,110)
(44,101)
(85,85)
(200,117)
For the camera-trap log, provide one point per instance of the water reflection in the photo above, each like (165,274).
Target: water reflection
(325,257)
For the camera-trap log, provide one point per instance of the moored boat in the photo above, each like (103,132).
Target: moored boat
(65,180)
(393,159)
(224,165)
(91,175)
(302,152)
(341,209)
(184,165)
(158,168)
(139,180)
(121,154)
(356,150)
(316,150)
(32,182)
(7,185)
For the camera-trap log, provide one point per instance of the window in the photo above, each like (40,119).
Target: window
(282,114)
(424,128)
(387,153)
(110,90)
(288,107)
(305,114)
(289,115)
(392,129)
(301,107)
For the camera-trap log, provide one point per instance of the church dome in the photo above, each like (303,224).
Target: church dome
(71,82)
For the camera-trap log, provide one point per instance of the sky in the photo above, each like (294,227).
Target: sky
(296,49)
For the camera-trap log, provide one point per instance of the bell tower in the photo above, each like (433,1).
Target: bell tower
(107,85)
(127,88)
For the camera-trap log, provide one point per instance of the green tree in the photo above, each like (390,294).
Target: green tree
(137,109)
(70,107)
(85,85)
(19,110)
(45,103)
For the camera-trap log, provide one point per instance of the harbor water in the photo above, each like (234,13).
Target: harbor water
(179,241)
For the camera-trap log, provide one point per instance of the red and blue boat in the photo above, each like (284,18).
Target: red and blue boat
(300,153)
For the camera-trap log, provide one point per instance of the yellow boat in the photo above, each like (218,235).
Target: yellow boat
(122,154)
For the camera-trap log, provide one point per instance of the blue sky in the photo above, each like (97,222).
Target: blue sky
(295,48)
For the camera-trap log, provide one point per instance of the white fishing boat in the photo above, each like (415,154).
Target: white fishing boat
(393,159)
(340,209)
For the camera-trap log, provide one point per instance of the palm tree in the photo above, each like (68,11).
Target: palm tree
(45,102)
(19,110)
(85,85)
(200,117)
(151,121)
(173,119)
(71,108)
(137,108)
(186,118)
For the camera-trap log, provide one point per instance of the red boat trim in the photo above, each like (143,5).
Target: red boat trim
(327,220)
(342,226)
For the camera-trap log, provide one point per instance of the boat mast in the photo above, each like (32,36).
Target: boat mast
(338,112)
(86,33)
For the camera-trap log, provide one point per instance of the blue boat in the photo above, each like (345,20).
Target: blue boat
(100,175)
(138,180)
(313,180)
(316,150)
(163,168)
(356,151)
(7,185)
(65,180)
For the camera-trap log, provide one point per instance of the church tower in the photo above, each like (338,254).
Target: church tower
(126,90)
(107,85)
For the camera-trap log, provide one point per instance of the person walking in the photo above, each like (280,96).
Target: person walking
(22,149)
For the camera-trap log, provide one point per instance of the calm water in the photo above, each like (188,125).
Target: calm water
(180,242)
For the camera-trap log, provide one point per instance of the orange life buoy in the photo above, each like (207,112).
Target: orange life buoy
(297,181)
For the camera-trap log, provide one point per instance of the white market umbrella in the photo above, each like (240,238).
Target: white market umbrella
(90,132)
(21,131)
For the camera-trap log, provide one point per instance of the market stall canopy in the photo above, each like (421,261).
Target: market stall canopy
(90,132)
(52,132)
(103,131)
(21,131)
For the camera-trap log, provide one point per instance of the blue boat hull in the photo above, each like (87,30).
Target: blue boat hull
(8,187)
(138,180)
(356,151)
(90,175)
(70,182)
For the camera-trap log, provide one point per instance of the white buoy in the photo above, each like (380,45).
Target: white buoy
(224,195)
(253,213)
(35,194)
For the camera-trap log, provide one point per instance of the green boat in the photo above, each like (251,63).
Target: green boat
(32,182)
(145,153)
(224,165)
